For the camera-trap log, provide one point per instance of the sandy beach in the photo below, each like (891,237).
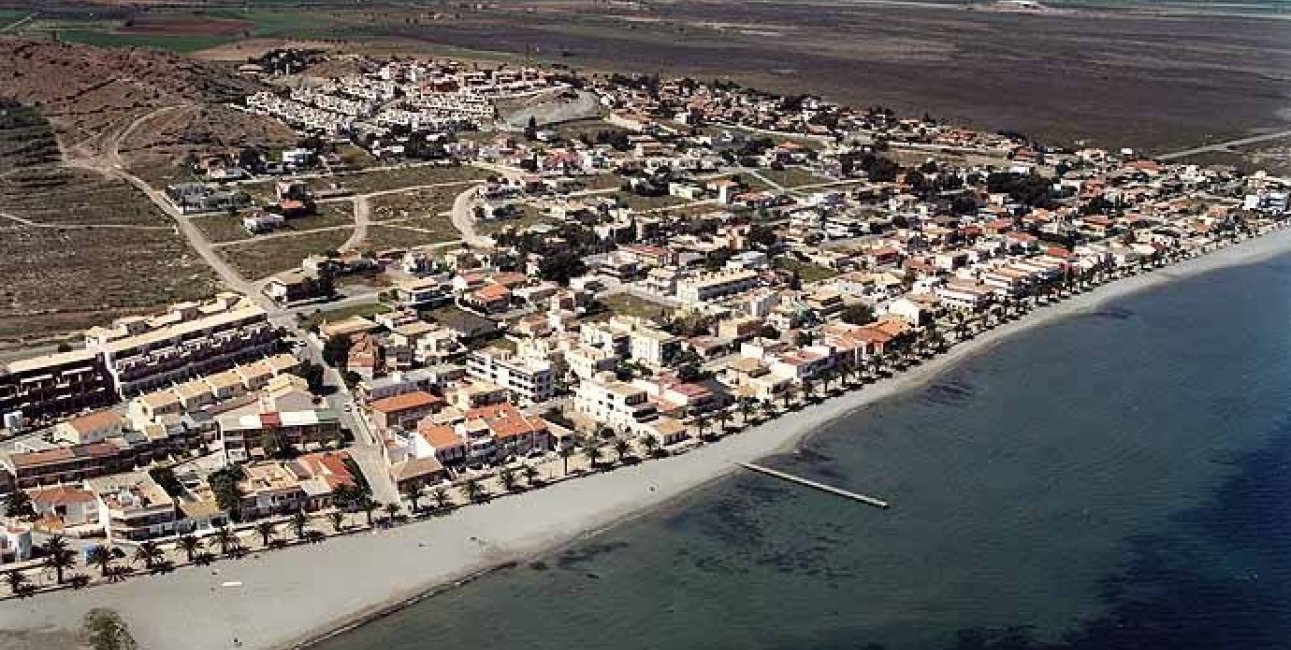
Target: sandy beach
(288,597)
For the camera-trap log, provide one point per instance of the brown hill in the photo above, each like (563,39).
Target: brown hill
(98,97)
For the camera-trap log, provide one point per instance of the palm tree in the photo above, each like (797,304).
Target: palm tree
(337,519)
(18,583)
(786,396)
(149,553)
(368,506)
(299,525)
(747,407)
(723,418)
(808,386)
(592,452)
(530,474)
(565,451)
(58,556)
(191,544)
(472,489)
(507,477)
(100,557)
(621,448)
(413,492)
(440,496)
(702,423)
(392,511)
(226,540)
(650,443)
(266,530)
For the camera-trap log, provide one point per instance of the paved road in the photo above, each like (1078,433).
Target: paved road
(1225,146)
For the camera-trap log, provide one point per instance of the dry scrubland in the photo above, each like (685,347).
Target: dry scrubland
(62,269)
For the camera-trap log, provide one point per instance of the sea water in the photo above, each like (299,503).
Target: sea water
(1118,479)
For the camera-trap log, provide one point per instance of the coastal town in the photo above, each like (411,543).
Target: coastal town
(569,274)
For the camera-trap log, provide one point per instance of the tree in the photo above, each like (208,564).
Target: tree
(393,511)
(413,493)
(190,544)
(336,350)
(702,423)
(592,451)
(266,530)
(58,556)
(858,314)
(531,129)
(473,490)
(723,418)
(337,519)
(19,506)
(226,540)
(507,477)
(224,485)
(650,443)
(441,498)
(18,585)
(530,474)
(621,448)
(565,451)
(149,553)
(100,557)
(747,408)
(368,505)
(299,525)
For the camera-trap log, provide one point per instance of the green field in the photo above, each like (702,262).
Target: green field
(335,315)
(807,271)
(174,43)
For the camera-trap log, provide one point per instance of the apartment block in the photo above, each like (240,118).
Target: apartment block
(133,507)
(52,385)
(244,436)
(191,339)
(711,286)
(528,380)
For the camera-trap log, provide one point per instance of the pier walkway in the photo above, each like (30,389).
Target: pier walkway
(877,503)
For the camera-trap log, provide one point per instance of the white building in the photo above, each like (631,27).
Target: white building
(529,380)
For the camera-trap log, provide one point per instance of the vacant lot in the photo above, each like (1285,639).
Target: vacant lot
(792,177)
(222,228)
(414,203)
(434,229)
(638,202)
(336,315)
(393,179)
(384,237)
(264,257)
(56,281)
(806,271)
(626,304)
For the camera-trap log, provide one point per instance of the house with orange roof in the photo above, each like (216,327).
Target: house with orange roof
(92,427)
(404,410)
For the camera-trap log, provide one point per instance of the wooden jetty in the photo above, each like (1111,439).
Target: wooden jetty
(867,500)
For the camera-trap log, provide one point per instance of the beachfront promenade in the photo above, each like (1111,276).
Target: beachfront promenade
(284,596)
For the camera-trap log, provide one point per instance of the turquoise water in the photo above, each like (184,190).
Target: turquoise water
(1115,480)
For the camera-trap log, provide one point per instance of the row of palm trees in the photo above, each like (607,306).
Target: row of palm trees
(59,558)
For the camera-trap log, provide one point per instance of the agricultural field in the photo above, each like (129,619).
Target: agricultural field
(276,253)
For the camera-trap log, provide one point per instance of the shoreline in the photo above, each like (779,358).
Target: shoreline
(300,596)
